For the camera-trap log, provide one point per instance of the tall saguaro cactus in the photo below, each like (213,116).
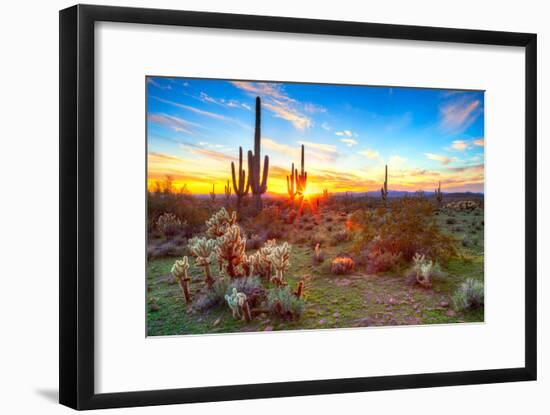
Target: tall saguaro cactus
(384,190)
(254,161)
(291,184)
(301,179)
(227,191)
(439,194)
(240,183)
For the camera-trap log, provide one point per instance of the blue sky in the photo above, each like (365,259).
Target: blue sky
(195,128)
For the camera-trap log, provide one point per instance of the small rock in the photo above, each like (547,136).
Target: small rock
(154,307)
(444,304)
(450,313)
(322,321)
(269,328)
(336,314)
(216,322)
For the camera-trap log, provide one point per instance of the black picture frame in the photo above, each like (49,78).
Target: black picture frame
(76,280)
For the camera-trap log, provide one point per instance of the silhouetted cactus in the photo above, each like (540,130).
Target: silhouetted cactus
(439,194)
(291,184)
(325,194)
(240,183)
(384,190)
(213,193)
(254,159)
(301,179)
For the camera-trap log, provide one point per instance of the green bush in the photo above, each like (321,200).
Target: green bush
(408,227)
(470,295)
(282,302)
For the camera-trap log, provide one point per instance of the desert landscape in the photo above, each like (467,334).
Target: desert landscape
(244,257)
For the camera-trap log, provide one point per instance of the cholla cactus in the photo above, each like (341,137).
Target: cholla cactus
(280,258)
(261,264)
(423,269)
(204,251)
(168,223)
(236,302)
(220,222)
(231,252)
(179,271)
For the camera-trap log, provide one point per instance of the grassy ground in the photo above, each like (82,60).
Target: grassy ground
(354,300)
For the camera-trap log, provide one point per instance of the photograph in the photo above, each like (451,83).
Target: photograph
(278,205)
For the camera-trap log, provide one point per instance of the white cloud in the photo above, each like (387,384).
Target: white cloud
(459,145)
(442,159)
(344,133)
(350,142)
(369,153)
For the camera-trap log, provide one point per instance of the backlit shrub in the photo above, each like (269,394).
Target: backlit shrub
(408,227)
(469,295)
(342,264)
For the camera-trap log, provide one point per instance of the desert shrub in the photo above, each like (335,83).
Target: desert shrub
(318,238)
(169,224)
(408,227)
(423,271)
(379,261)
(211,297)
(342,235)
(342,264)
(283,303)
(450,221)
(247,285)
(469,295)
(318,255)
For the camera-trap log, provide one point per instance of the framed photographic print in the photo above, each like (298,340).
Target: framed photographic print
(318,202)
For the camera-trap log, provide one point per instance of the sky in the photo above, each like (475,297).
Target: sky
(349,132)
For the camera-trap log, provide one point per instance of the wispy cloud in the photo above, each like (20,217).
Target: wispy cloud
(371,154)
(285,149)
(314,108)
(283,111)
(396,160)
(203,113)
(226,103)
(459,145)
(175,123)
(327,148)
(276,100)
(479,142)
(157,84)
(211,154)
(344,133)
(325,126)
(350,142)
(460,113)
(442,159)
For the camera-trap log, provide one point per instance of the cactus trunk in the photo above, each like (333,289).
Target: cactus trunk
(240,184)
(258,186)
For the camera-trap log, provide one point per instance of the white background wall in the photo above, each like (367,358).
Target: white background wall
(29,206)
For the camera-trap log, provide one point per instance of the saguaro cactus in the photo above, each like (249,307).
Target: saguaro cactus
(213,193)
(439,194)
(227,190)
(240,183)
(301,179)
(254,159)
(384,189)
(291,184)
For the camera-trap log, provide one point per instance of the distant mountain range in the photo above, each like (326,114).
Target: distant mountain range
(373,193)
